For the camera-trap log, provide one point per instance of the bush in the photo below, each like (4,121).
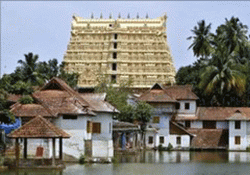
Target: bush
(170,147)
(82,159)
(26,99)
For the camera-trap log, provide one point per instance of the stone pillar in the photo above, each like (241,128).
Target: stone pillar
(25,149)
(60,148)
(17,153)
(53,151)
(123,141)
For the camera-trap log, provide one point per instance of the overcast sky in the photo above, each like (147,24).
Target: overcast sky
(44,27)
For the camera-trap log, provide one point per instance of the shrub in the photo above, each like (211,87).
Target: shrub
(170,147)
(82,159)
(26,99)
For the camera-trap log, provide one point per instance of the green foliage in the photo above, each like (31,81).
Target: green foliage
(27,99)
(143,112)
(32,73)
(82,159)
(221,75)
(170,147)
(7,117)
(118,96)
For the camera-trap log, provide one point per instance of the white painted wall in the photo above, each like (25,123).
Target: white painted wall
(222,125)
(192,107)
(196,124)
(237,132)
(78,131)
(185,141)
(153,134)
(102,148)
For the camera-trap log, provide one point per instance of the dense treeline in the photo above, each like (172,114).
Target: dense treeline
(30,75)
(221,74)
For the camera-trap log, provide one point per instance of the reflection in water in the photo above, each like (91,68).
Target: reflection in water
(155,162)
(185,156)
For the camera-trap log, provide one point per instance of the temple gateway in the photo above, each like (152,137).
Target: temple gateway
(120,49)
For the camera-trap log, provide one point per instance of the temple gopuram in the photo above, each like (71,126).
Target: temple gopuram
(120,50)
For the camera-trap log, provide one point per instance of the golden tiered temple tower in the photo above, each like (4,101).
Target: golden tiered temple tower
(121,49)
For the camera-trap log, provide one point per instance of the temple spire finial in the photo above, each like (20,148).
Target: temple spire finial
(110,16)
(137,16)
(147,15)
(119,16)
(92,15)
(101,15)
(128,15)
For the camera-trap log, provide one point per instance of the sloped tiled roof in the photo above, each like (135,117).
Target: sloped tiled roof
(38,127)
(30,110)
(181,92)
(210,139)
(177,129)
(156,95)
(97,103)
(56,97)
(223,113)
(123,126)
(159,93)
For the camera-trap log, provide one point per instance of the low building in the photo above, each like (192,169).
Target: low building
(167,102)
(87,118)
(198,127)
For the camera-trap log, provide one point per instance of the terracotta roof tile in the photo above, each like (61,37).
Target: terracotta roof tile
(97,104)
(210,139)
(38,127)
(159,93)
(177,129)
(221,113)
(156,95)
(181,92)
(30,110)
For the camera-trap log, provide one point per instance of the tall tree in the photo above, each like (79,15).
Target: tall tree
(29,65)
(201,45)
(223,76)
(233,34)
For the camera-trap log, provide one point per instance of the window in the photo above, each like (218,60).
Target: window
(150,140)
(110,128)
(237,140)
(115,45)
(178,140)
(162,139)
(156,119)
(114,55)
(209,124)
(187,124)
(113,78)
(237,124)
(70,117)
(114,67)
(177,106)
(187,106)
(89,127)
(96,127)
(115,36)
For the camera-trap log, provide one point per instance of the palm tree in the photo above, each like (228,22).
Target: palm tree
(201,40)
(222,76)
(29,66)
(233,34)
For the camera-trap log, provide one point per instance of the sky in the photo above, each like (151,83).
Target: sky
(43,27)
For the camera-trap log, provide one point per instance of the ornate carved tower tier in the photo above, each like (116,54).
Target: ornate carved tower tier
(121,49)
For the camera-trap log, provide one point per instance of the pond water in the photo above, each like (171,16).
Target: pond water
(156,163)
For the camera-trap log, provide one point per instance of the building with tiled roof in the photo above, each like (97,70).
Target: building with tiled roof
(208,127)
(168,103)
(87,118)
